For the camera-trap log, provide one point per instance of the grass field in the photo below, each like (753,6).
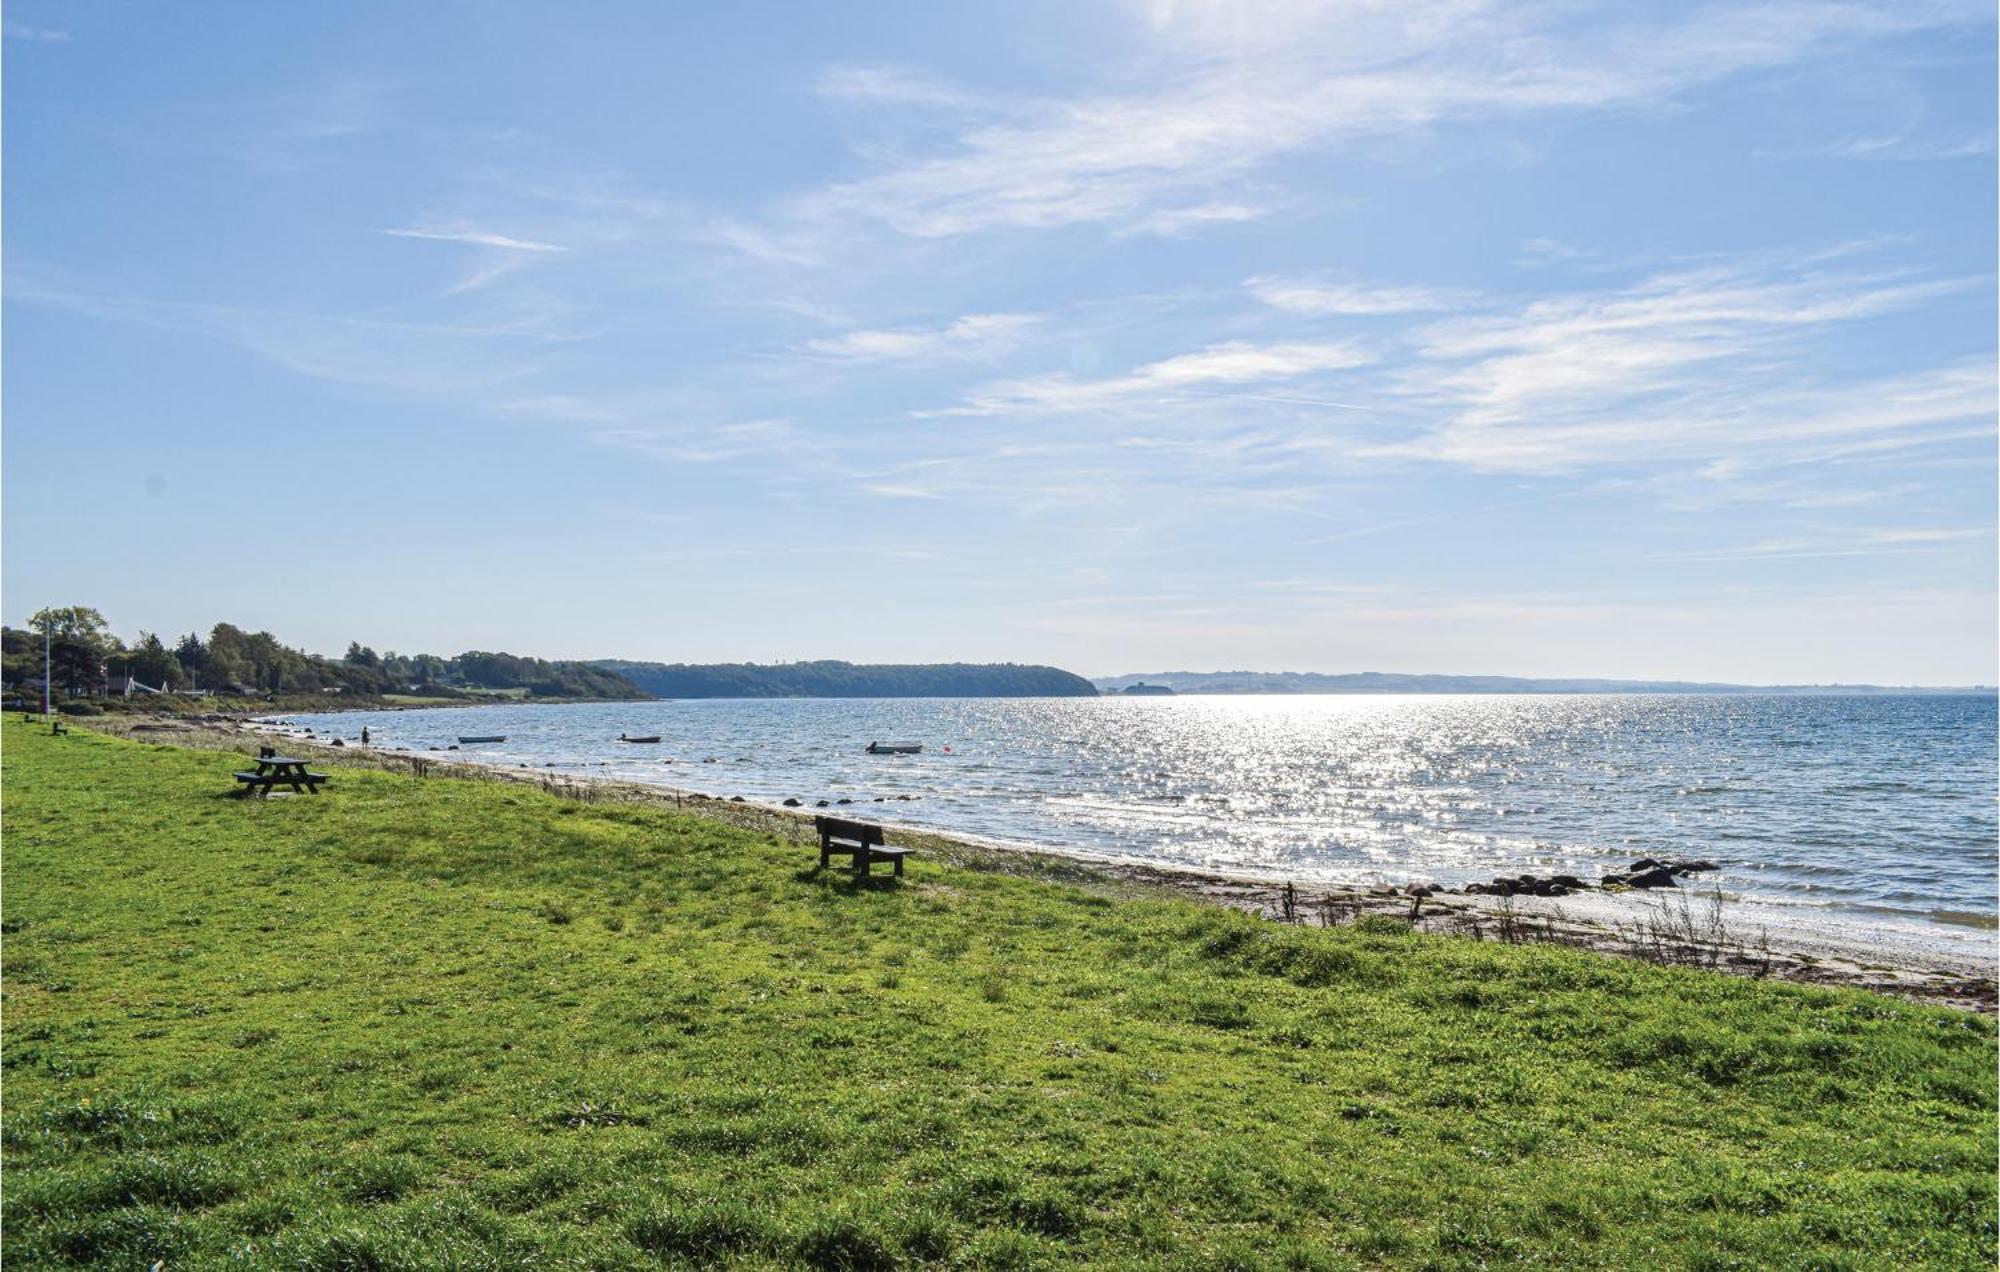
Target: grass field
(455,1023)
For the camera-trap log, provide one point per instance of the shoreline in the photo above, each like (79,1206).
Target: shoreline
(1947,965)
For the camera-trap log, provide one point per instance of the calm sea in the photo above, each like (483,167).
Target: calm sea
(1880,807)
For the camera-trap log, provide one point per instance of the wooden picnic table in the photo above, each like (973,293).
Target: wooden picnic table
(280,770)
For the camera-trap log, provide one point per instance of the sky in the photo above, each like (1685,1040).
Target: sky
(1473,336)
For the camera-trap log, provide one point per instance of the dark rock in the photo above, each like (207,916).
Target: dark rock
(1526,880)
(1654,878)
(1475,889)
(1566,881)
(791,803)
(1691,866)
(338,742)
(843,801)
(820,803)
(1644,863)
(736,799)
(1418,890)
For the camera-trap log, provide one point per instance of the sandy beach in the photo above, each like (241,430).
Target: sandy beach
(1947,964)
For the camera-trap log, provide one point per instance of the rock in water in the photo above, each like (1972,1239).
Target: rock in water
(1654,878)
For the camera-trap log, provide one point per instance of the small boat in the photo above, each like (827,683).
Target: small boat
(623,738)
(498,737)
(895,748)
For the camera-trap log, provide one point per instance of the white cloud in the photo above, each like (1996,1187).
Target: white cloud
(478,238)
(1242,88)
(1313,297)
(1881,542)
(893,86)
(35,34)
(1690,365)
(1237,362)
(970,336)
(1180,222)
(702,443)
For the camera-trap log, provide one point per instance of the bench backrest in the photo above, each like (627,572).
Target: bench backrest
(840,828)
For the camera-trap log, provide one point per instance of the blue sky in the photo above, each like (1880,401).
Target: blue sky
(1533,338)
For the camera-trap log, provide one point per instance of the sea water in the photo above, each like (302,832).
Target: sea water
(1861,806)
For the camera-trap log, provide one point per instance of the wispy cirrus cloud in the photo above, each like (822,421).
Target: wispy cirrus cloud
(34,34)
(1225,98)
(1318,297)
(1691,365)
(1877,542)
(1233,363)
(974,335)
(476,238)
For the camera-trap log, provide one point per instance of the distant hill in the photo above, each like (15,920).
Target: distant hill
(1389,682)
(850,680)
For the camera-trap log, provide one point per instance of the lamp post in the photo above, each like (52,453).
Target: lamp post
(48,667)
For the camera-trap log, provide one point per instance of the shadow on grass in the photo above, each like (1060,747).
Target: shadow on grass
(846,881)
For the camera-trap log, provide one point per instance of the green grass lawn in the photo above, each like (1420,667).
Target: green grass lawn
(457,1023)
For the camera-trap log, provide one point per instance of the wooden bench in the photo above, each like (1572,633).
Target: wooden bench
(860,841)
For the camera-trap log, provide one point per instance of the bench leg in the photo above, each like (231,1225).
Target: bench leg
(899,867)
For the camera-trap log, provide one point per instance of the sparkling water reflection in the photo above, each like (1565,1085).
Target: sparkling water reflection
(1866,805)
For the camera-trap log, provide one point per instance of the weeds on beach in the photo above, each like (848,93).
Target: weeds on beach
(414,1023)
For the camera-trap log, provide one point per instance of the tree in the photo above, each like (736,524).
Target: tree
(153,663)
(362,656)
(192,656)
(77,645)
(78,621)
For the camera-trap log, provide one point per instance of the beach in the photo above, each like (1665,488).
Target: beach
(1685,924)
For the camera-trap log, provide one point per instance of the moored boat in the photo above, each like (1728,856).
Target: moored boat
(895,748)
(498,737)
(624,738)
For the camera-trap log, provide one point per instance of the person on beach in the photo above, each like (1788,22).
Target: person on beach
(364,735)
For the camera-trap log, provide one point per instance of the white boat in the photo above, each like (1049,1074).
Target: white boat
(895,748)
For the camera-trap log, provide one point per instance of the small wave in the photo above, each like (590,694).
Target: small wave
(1966,918)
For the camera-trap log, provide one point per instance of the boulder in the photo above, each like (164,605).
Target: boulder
(1644,863)
(1567,881)
(1654,878)
(1418,890)
(820,803)
(791,803)
(843,801)
(1689,867)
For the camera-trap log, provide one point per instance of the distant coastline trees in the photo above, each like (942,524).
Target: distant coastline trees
(86,657)
(833,679)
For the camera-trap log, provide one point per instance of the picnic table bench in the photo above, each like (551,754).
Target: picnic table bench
(860,841)
(280,770)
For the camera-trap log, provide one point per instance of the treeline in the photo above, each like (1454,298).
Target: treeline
(85,656)
(851,680)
